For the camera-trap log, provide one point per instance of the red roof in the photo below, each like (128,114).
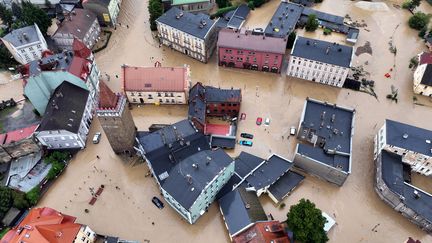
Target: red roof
(107,98)
(163,79)
(79,49)
(79,67)
(17,135)
(263,232)
(43,225)
(425,58)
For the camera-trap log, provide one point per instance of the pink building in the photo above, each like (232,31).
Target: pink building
(244,49)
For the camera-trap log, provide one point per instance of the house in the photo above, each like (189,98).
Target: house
(39,3)
(284,20)
(193,6)
(241,209)
(192,34)
(156,85)
(116,120)
(188,172)
(66,122)
(206,102)
(268,231)
(320,61)
(107,11)
(242,49)
(17,143)
(234,19)
(399,150)
(81,24)
(42,77)
(46,225)
(423,75)
(325,134)
(25,44)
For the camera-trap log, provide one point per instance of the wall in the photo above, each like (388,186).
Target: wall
(317,72)
(65,40)
(418,87)
(222,109)
(156,97)
(256,60)
(198,6)
(85,235)
(114,10)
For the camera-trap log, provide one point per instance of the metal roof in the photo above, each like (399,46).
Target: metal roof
(285,185)
(322,51)
(22,36)
(284,20)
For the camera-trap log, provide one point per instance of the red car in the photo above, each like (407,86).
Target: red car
(259,121)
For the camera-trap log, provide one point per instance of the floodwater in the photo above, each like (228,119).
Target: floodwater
(127,212)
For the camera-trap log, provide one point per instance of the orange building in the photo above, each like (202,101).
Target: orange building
(263,232)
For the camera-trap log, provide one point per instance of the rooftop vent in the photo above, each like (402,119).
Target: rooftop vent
(333,118)
(195,166)
(416,194)
(405,135)
(189,179)
(428,141)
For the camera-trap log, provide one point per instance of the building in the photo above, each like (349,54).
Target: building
(81,24)
(242,49)
(17,143)
(241,209)
(193,5)
(325,134)
(66,122)
(234,19)
(25,44)
(268,231)
(42,77)
(156,85)
(188,172)
(399,149)
(116,120)
(428,41)
(206,102)
(284,20)
(46,225)
(423,75)
(107,11)
(320,61)
(192,34)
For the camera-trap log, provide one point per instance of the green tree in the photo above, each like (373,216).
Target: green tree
(19,200)
(32,14)
(411,4)
(155,9)
(258,3)
(16,10)
(56,168)
(419,21)
(6,15)
(5,200)
(312,23)
(306,222)
(318,1)
(223,3)
(33,195)
(6,59)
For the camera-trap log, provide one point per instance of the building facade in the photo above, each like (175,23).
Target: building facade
(320,61)
(116,120)
(156,85)
(242,49)
(423,79)
(25,44)
(107,11)
(193,35)
(194,6)
(81,24)
(66,122)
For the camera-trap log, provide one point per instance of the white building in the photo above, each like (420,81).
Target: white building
(193,35)
(67,118)
(156,85)
(85,235)
(320,61)
(25,44)
(413,144)
(423,80)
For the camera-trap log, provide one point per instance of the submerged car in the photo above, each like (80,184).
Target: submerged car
(267,121)
(245,143)
(157,202)
(259,121)
(293,131)
(97,137)
(246,135)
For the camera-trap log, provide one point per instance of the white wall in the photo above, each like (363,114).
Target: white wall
(418,87)
(156,97)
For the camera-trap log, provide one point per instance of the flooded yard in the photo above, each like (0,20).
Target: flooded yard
(128,211)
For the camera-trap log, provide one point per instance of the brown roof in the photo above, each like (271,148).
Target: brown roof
(78,23)
(107,98)
(270,231)
(163,79)
(246,41)
(425,58)
(79,49)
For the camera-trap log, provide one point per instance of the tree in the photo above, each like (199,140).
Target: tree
(155,9)
(291,38)
(6,15)
(32,14)
(318,1)
(306,222)
(5,200)
(56,168)
(312,23)
(33,195)
(16,10)
(6,59)
(411,4)
(419,21)
(258,3)
(223,3)
(19,200)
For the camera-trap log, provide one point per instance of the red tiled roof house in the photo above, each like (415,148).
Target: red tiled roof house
(156,85)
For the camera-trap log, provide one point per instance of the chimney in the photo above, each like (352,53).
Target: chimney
(327,50)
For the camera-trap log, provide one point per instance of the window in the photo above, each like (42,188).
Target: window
(133,100)
(159,94)
(150,96)
(132,94)
(172,100)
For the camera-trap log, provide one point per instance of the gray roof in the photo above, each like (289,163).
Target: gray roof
(416,138)
(321,16)
(223,142)
(322,51)
(78,23)
(285,185)
(392,174)
(59,61)
(284,20)
(213,94)
(65,108)
(240,209)
(333,138)
(22,36)
(197,25)
(427,76)
(189,177)
(239,15)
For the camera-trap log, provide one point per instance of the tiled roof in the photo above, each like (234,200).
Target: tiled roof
(79,67)
(17,135)
(270,231)
(80,50)
(425,58)
(78,23)
(107,98)
(163,79)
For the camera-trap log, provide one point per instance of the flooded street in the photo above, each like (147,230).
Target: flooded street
(128,212)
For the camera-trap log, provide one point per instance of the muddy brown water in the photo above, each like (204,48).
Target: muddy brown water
(128,212)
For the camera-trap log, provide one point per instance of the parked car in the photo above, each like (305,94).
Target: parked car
(97,137)
(293,131)
(245,143)
(157,202)
(259,121)
(267,121)
(246,135)
(243,116)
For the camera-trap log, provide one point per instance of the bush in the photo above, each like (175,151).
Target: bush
(419,21)
(5,200)
(327,31)
(251,5)
(55,170)
(56,156)
(312,23)
(33,195)
(223,3)
(258,3)
(155,9)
